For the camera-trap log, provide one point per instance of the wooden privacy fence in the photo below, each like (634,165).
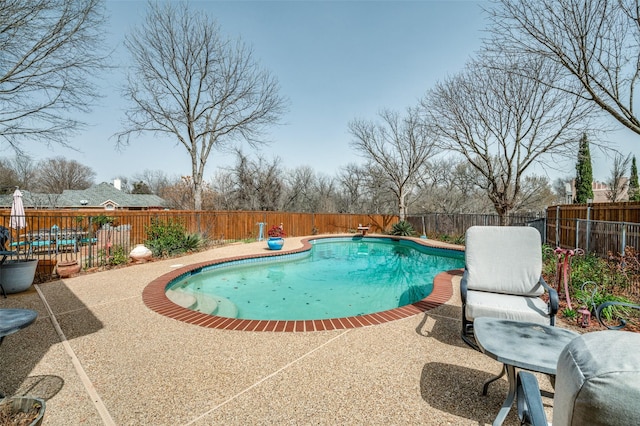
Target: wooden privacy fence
(599,228)
(217,225)
(608,212)
(91,236)
(593,236)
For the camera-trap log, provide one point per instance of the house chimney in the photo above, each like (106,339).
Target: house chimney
(117,183)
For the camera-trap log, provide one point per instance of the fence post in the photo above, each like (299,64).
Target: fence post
(623,240)
(577,232)
(557,226)
(588,229)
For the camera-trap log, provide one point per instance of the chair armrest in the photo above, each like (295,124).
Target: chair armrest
(530,408)
(464,286)
(554,301)
(621,322)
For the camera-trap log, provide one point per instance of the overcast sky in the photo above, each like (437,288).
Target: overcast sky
(335,61)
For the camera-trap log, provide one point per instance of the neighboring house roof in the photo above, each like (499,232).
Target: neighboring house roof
(101,196)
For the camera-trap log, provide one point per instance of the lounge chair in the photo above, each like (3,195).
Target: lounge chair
(598,383)
(64,239)
(502,278)
(42,239)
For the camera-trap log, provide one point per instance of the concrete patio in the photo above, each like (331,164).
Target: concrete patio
(98,355)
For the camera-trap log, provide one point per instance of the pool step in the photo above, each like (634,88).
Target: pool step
(215,305)
(226,308)
(183,299)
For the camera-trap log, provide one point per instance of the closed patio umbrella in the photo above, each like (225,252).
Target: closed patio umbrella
(18,219)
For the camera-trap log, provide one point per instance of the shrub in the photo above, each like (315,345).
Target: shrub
(403,228)
(118,256)
(170,237)
(453,239)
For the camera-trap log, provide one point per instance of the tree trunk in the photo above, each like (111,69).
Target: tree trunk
(402,208)
(197,195)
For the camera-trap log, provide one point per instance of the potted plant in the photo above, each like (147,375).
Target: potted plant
(22,410)
(276,237)
(15,275)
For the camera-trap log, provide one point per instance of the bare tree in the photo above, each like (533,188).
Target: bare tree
(562,190)
(57,174)
(535,194)
(400,146)
(253,184)
(156,180)
(325,191)
(179,194)
(351,188)
(618,184)
(50,49)
(450,186)
(8,177)
(26,170)
(379,190)
(502,123)
(299,194)
(595,42)
(190,83)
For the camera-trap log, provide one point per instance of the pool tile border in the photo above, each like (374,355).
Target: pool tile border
(155,298)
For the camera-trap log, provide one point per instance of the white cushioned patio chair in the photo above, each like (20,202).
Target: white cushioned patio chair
(598,383)
(502,278)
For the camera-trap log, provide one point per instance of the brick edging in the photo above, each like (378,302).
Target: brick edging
(155,298)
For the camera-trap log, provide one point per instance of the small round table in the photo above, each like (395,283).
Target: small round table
(523,345)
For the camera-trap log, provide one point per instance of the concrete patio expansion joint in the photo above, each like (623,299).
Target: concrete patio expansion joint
(91,390)
(264,379)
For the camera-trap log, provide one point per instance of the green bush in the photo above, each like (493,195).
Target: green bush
(170,237)
(403,228)
(452,239)
(115,256)
(593,281)
(118,256)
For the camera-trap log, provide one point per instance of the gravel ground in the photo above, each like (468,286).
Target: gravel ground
(98,355)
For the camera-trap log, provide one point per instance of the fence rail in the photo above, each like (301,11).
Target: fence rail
(455,225)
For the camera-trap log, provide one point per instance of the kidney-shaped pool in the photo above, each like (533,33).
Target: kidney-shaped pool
(337,277)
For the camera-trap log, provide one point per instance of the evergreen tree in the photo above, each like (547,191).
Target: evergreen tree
(634,188)
(584,173)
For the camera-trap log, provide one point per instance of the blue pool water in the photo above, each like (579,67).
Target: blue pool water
(338,277)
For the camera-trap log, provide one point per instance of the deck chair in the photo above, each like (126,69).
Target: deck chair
(502,278)
(598,383)
(63,239)
(42,240)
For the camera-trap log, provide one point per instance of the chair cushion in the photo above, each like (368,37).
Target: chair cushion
(504,259)
(598,380)
(506,306)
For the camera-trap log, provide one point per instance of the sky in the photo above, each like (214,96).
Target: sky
(335,61)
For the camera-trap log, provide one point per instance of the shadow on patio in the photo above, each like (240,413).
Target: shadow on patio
(21,352)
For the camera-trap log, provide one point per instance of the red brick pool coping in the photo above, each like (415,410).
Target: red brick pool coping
(155,298)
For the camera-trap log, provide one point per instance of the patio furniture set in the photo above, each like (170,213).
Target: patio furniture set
(596,376)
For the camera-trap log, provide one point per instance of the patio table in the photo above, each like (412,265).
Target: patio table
(524,345)
(13,320)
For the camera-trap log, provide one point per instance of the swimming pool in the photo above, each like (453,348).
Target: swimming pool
(330,278)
